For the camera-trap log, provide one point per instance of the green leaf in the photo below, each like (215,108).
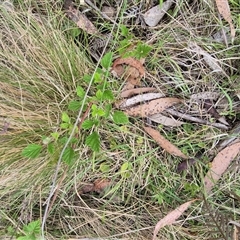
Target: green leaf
(107,95)
(97,78)
(80,92)
(87,78)
(93,141)
(99,94)
(65,117)
(74,105)
(87,124)
(104,167)
(120,117)
(33,228)
(51,148)
(124,31)
(124,167)
(142,50)
(55,135)
(108,109)
(97,111)
(64,125)
(106,60)
(32,150)
(68,155)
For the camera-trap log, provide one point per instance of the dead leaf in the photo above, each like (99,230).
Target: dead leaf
(205,95)
(134,72)
(220,164)
(88,187)
(80,19)
(152,107)
(138,99)
(185,164)
(224,10)
(155,14)
(98,186)
(135,91)
(208,105)
(210,61)
(166,121)
(101,184)
(171,217)
(164,143)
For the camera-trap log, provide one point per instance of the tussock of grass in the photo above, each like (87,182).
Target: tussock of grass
(41,66)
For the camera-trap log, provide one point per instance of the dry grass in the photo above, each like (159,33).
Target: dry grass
(41,66)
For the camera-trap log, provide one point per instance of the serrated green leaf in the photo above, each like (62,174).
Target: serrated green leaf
(51,148)
(64,125)
(65,118)
(120,117)
(55,135)
(93,141)
(87,78)
(108,109)
(80,92)
(68,155)
(107,95)
(97,111)
(74,105)
(33,228)
(99,94)
(32,150)
(97,78)
(106,60)
(87,124)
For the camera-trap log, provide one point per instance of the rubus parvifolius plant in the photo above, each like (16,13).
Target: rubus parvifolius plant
(97,104)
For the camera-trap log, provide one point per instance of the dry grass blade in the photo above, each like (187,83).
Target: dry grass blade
(224,10)
(164,143)
(152,107)
(171,217)
(220,164)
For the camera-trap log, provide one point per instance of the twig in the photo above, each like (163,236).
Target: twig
(194,119)
(52,190)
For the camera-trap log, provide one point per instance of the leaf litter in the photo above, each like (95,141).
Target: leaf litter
(164,143)
(152,107)
(224,10)
(220,164)
(133,72)
(171,217)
